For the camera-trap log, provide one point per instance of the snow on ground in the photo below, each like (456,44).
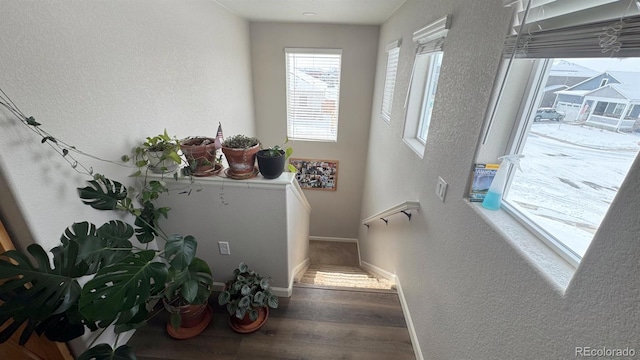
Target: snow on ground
(570,175)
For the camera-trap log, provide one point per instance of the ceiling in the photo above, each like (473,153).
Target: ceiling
(364,12)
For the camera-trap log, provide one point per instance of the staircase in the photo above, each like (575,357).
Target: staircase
(334,265)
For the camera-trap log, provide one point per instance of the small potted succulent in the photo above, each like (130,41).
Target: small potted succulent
(240,152)
(248,298)
(271,160)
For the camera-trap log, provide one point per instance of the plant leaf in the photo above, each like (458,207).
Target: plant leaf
(146,222)
(272,301)
(224,298)
(32,121)
(192,284)
(121,286)
(106,352)
(53,290)
(102,193)
(180,251)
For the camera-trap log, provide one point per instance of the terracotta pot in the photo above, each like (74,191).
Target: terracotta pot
(193,320)
(203,151)
(270,167)
(245,325)
(241,161)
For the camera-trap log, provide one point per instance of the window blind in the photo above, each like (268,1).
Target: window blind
(552,28)
(313,93)
(534,15)
(393,55)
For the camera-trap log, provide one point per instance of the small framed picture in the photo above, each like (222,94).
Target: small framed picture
(316,174)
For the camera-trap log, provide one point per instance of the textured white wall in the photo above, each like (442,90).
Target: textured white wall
(471,294)
(335,214)
(253,216)
(104,74)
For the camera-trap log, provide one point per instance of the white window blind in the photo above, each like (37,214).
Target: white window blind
(575,28)
(313,93)
(393,54)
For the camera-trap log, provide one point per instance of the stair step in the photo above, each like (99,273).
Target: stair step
(343,277)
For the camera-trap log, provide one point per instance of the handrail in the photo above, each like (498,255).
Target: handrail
(400,208)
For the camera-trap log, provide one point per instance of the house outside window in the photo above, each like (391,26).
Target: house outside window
(573,164)
(313,93)
(424,83)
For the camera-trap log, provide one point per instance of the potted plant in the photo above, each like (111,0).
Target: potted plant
(248,298)
(201,156)
(128,277)
(187,290)
(159,154)
(240,152)
(271,160)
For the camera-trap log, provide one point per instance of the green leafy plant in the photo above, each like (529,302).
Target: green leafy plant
(279,150)
(128,277)
(159,153)
(246,293)
(240,142)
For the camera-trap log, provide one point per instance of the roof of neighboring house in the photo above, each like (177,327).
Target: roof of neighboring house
(631,92)
(555,87)
(574,92)
(309,79)
(566,68)
(626,77)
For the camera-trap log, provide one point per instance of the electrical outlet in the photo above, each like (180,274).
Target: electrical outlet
(223,246)
(441,188)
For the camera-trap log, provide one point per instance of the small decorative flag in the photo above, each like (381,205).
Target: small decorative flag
(219,138)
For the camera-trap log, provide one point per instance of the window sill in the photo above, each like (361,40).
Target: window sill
(556,270)
(415,145)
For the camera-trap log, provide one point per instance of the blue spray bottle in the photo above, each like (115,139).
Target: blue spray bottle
(494,196)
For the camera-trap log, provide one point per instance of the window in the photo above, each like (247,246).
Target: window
(313,93)
(574,163)
(424,83)
(393,54)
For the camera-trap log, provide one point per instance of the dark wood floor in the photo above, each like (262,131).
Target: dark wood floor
(312,324)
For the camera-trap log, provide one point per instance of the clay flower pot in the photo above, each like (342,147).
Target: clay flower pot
(202,152)
(241,161)
(246,325)
(193,320)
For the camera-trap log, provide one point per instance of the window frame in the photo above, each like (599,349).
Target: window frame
(332,131)
(538,36)
(429,42)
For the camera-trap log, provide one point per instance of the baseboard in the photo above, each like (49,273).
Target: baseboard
(277,291)
(378,271)
(403,303)
(333,239)
(299,271)
(407,316)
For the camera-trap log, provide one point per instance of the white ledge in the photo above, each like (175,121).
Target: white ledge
(281,183)
(407,205)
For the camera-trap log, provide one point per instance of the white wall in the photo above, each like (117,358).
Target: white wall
(104,74)
(335,214)
(470,293)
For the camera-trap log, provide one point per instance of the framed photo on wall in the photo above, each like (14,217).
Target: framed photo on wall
(316,174)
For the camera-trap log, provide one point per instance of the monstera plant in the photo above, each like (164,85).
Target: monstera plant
(127,275)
